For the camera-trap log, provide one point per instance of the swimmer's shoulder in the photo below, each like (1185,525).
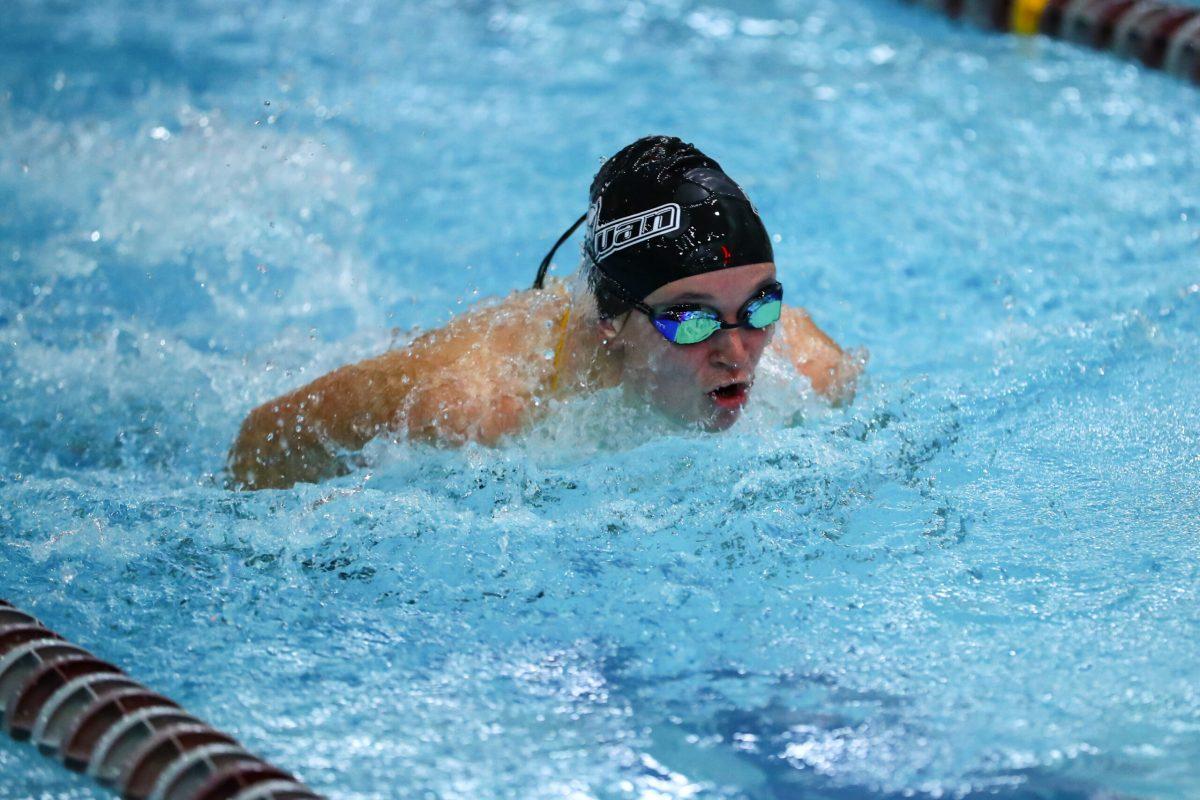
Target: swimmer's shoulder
(521,325)
(478,377)
(498,345)
(499,326)
(534,305)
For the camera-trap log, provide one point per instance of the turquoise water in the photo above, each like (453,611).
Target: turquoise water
(978,580)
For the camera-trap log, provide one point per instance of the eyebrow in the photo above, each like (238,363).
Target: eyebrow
(693,296)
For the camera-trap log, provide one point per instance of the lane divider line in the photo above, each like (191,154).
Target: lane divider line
(92,717)
(1158,34)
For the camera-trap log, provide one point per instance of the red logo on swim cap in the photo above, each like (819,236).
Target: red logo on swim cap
(728,255)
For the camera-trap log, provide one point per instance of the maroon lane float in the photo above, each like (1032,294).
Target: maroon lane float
(1157,34)
(94,718)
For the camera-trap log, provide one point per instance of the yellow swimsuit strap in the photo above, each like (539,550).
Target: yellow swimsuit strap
(558,350)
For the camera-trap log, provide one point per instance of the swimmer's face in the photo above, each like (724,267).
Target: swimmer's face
(707,383)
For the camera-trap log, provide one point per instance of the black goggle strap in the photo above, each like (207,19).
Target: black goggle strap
(545,265)
(624,293)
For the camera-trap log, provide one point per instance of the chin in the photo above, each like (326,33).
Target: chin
(721,420)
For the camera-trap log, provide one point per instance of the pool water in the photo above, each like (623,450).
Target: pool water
(978,580)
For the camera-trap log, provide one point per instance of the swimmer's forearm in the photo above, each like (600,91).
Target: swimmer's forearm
(275,450)
(435,390)
(832,372)
(298,437)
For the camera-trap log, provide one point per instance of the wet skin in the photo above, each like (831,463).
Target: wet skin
(680,380)
(484,375)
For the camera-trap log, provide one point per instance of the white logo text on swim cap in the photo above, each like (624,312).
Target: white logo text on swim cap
(628,231)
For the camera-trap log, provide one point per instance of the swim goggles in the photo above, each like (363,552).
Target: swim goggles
(686,323)
(692,323)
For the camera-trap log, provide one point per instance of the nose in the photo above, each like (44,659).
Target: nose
(730,349)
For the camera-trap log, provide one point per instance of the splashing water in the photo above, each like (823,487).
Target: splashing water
(978,580)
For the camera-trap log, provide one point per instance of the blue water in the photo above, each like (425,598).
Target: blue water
(980,579)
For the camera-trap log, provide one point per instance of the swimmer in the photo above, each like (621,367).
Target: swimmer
(677,302)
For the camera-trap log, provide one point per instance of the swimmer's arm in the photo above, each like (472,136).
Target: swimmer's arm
(442,388)
(832,372)
(297,437)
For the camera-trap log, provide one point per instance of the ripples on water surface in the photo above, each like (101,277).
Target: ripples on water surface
(981,577)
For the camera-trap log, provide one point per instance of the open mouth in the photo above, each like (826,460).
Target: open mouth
(731,395)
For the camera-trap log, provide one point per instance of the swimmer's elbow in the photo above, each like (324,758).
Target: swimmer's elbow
(253,461)
(264,456)
(247,464)
(833,372)
(835,378)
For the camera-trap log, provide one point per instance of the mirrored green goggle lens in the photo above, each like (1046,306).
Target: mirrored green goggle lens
(695,329)
(765,313)
(696,326)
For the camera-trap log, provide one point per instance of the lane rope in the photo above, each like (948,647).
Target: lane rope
(1158,34)
(93,718)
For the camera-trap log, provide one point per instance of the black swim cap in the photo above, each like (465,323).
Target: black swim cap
(661,210)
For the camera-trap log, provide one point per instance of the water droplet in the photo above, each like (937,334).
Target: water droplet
(880,54)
